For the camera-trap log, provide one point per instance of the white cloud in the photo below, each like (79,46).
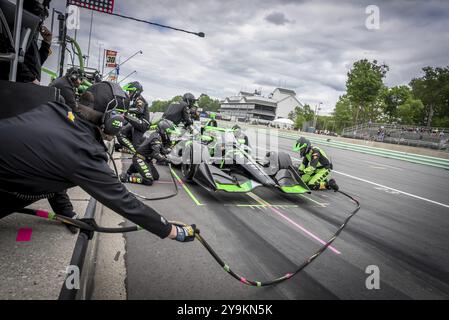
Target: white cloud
(242,50)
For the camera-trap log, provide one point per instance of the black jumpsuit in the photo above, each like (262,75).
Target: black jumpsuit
(67,90)
(177,113)
(153,148)
(132,134)
(47,150)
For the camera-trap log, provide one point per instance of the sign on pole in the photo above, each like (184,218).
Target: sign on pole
(112,77)
(111,59)
(106,6)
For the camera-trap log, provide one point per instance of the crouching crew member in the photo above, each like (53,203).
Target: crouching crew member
(156,147)
(316,168)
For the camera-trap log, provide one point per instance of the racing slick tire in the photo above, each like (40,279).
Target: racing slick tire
(193,155)
(285,161)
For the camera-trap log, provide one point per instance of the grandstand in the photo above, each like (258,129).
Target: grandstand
(434,138)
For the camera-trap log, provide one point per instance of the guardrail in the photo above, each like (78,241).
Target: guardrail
(399,155)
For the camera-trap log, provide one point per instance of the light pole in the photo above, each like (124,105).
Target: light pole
(317,109)
(129,75)
(121,64)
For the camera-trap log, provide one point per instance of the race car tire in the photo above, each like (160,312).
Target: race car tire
(193,155)
(188,165)
(285,161)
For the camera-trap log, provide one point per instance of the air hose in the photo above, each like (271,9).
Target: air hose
(91,226)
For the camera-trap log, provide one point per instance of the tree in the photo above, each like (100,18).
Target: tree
(208,104)
(410,112)
(162,105)
(433,90)
(301,115)
(365,82)
(343,113)
(393,98)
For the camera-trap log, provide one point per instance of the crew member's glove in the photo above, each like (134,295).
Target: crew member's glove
(309,170)
(46,34)
(185,234)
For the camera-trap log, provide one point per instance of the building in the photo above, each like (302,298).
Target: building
(249,106)
(286,101)
(254,107)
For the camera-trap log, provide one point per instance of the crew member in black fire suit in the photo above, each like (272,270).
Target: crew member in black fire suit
(156,147)
(138,118)
(51,148)
(68,86)
(35,56)
(180,111)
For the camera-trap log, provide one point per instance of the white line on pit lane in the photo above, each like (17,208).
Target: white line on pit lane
(392,189)
(382,186)
(382,165)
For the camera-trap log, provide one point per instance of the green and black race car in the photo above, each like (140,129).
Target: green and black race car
(219,159)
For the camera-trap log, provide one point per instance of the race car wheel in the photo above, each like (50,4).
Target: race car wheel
(189,164)
(190,160)
(285,161)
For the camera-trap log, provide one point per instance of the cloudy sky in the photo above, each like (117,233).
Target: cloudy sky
(305,45)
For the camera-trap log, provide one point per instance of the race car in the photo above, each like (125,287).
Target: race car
(218,161)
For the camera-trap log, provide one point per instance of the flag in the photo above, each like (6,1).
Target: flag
(106,6)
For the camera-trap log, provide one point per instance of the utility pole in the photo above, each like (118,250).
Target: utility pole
(90,36)
(64,41)
(121,64)
(317,109)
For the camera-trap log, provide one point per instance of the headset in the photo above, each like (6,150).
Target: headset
(75,74)
(113,121)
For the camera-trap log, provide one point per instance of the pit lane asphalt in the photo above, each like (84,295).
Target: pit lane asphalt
(405,236)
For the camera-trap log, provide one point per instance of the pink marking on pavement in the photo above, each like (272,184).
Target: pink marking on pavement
(243,280)
(303,229)
(24,235)
(42,214)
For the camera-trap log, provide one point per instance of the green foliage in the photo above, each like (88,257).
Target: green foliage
(410,112)
(424,102)
(204,102)
(208,104)
(394,98)
(301,115)
(433,90)
(344,114)
(365,82)
(162,105)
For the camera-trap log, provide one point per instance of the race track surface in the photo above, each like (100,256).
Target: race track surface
(402,228)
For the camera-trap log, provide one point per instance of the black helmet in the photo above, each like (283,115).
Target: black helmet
(303,145)
(134,89)
(75,73)
(163,127)
(189,99)
(38,8)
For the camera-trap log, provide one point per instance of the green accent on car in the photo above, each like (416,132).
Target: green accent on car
(207,139)
(208,128)
(246,187)
(227,268)
(294,189)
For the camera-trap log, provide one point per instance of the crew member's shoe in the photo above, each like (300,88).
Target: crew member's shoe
(124,177)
